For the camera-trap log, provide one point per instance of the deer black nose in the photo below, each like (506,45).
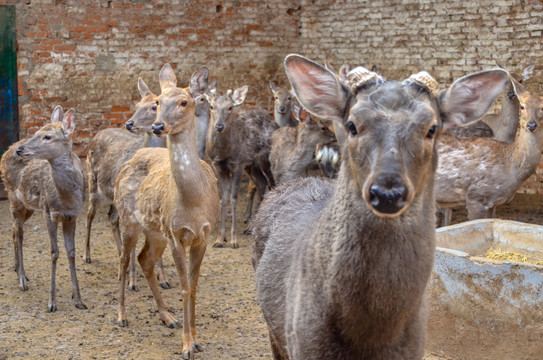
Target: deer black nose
(282,109)
(388,194)
(129,125)
(158,129)
(20,150)
(532,125)
(219,127)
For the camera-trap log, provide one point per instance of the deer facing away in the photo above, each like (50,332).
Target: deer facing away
(484,173)
(237,140)
(108,150)
(42,174)
(171,196)
(341,267)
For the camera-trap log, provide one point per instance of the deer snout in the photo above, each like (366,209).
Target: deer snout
(219,127)
(20,150)
(129,125)
(282,109)
(158,129)
(531,125)
(388,194)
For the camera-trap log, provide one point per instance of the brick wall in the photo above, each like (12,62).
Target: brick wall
(88,54)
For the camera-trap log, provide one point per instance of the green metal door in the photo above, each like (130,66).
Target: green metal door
(9,109)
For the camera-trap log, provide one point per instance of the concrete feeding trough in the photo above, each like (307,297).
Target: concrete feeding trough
(482,308)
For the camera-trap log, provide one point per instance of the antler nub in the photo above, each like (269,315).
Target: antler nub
(424,80)
(360,77)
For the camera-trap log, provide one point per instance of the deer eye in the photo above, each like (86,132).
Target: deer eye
(154,108)
(349,125)
(521,107)
(47,137)
(211,107)
(289,98)
(230,108)
(431,132)
(183,103)
(156,101)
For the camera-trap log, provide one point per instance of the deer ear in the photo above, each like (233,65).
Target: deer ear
(470,97)
(143,88)
(167,77)
(57,114)
(273,87)
(68,122)
(518,88)
(239,95)
(343,71)
(198,82)
(318,90)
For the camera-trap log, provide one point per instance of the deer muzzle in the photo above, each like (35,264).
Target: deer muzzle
(20,150)
(129,125)
(387,195)
(158,129)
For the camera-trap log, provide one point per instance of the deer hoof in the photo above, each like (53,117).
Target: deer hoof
(51,308)
(133,288)
(23,287)
(123,323)
(174,324)
(165,285)
(247,232)
(198,347)
(235,245)
(88,261)
(188,355)
(218,245)
(81,306)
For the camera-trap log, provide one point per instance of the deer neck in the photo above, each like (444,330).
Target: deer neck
(505,127)
(69,182)
(219,143)
(150,140)
(185,165)
(526,151)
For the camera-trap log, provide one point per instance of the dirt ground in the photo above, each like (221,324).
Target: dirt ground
(228,317)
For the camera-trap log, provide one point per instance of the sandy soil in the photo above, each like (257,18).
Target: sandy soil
(228,318)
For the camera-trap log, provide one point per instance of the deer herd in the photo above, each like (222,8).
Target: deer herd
(348,175)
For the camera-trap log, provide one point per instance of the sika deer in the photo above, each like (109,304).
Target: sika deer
(282,106)
(42,174)
(108,150)
(342,267)
(237,140)
(171,196)
(484,173)
(293,148)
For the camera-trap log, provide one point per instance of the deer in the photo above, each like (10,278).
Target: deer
(292,153)
(484,173)
(502,126)
(108,150)
(341,266)
(170,195)
(282,106)
(42,174)
(237,140)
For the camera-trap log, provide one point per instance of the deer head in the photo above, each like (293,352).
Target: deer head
(146,110)
(221,106)
(53,140)
(176,105)
(390,155)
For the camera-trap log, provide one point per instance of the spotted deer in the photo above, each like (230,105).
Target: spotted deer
(238,140)
(42,174)
(108,150)
(282,106)
(293,149)
(484,173)
(171,196)
(341,267)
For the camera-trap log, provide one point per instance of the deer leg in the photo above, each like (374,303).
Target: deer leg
(148,256)
(447,215)
(251,190)
(234,203)
(18,232)
(68,229)
(52,230)
(162,280)
(91,212)
(129,239)
(196,256)
(224,189)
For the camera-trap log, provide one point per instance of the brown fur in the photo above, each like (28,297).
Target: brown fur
(42,174)
(484,173)
(243,143)
(339,273)
(292,152)
(171,196)
(282,106)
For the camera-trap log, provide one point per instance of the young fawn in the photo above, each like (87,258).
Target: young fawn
(42,174)
(171,196)
(341,267)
